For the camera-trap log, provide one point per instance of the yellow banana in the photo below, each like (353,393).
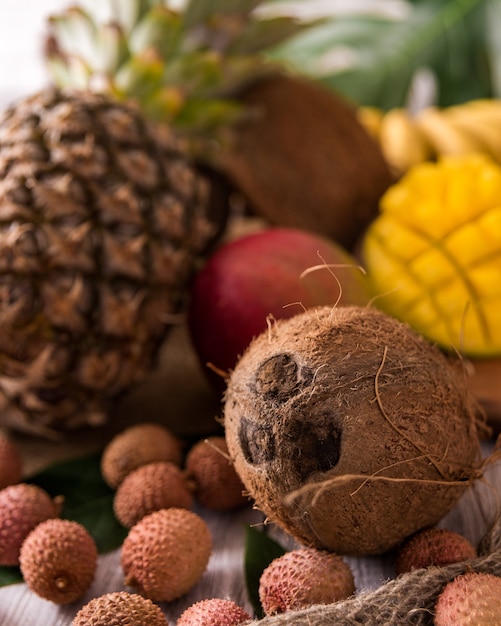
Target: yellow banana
(481,128)
(406,140)
(370,118)
(488,109)
(445,139)
(402,142)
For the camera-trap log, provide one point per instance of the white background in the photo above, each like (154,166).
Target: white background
(22,28)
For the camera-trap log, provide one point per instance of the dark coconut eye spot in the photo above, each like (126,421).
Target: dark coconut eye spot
(314,447)
(256,442)
(280,377)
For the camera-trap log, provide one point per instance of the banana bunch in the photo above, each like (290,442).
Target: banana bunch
(406,139)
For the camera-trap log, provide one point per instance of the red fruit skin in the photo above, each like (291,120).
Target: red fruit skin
(258,275)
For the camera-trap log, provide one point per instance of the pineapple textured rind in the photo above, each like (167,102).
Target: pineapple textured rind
(433,255)
(101,218)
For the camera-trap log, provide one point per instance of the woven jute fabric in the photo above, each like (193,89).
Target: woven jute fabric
(408,600)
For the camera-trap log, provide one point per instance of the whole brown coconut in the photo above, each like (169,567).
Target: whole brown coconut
(349,430)
(303,159)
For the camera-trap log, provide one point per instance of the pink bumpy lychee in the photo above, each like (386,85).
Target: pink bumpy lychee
(213,612)
(22,508)
(215,481)
(150,488)
(58,560)
(304,577)
(471,599)
(120,608)
(434,546)
(165,554)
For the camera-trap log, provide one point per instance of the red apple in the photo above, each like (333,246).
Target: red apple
(258,275)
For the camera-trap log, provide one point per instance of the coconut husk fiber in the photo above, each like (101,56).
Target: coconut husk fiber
(408,600)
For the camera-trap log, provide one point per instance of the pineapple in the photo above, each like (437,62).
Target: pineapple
(101,219)
(104,212)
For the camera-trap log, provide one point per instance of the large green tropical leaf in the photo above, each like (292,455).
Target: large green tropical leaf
(372,57)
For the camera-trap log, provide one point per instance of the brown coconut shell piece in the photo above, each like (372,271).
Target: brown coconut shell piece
(303,159)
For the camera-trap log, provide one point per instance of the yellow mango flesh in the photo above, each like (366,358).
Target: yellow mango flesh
(433,255)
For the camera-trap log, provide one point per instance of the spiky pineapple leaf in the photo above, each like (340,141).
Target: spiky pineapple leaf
(76,32)
(196,12)
(259,552)
(164,58)
(160,29)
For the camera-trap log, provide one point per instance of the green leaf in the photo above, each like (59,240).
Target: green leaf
(10,576)
(372,59)
(493,43)
(87,498)
(260,550)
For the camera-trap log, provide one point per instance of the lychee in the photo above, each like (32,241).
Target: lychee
(434,546)
(11,466)
(213,612)
(120,608)
(165,554)
(22,507)
(58,560)
(216,483)
(136,446)
(471,599)
(303,577)
(149,488)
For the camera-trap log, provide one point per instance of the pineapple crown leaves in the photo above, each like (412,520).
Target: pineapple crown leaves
(183,67)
